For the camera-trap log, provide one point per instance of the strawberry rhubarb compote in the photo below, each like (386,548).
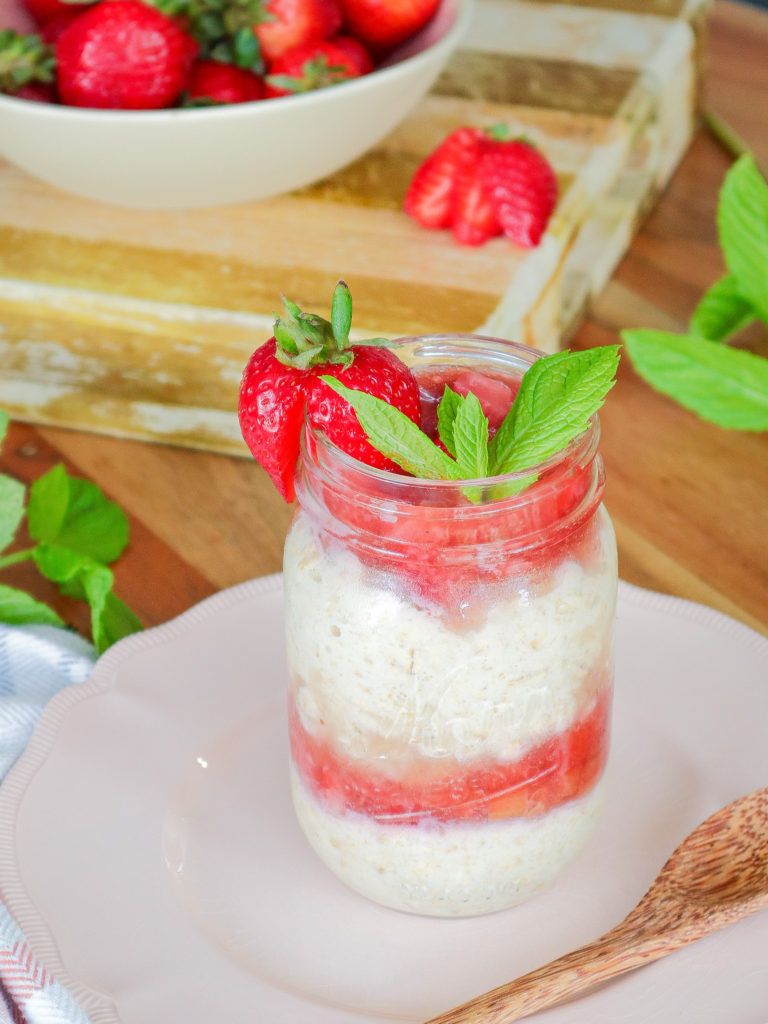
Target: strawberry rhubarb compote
(449,650)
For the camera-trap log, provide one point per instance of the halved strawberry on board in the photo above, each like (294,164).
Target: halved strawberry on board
(430,196)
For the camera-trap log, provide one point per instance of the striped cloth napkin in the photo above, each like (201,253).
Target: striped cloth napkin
(35,663)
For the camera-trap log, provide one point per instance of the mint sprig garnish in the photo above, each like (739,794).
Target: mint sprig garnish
(396,436)
(721,384)
(558,395)
(78,532)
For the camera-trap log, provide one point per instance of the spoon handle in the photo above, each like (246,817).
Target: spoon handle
(618,951)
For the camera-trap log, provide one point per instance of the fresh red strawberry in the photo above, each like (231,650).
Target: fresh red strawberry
(282,380)
(295,23)
(473,216)
(495,395)
(384,24)
(522,187)
(123,54)
(429,199)
(43,10)
(211,81)
(356,51)
(26,65)
(38,92)
(53,27)
(309,67)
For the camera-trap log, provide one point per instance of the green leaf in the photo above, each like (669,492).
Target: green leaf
(82,577)
(4,421)
(74,514)
(19,609)
(470,435)
(11,508)
(446,414)
(558,395)
(115,621)
(742,221)
(247,50)
(724,385)
(722,311)
(397,437)
(68,568)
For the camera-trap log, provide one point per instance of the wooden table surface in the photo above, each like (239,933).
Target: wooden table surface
(689,500)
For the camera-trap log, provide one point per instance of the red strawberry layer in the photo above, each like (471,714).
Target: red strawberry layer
(562,768)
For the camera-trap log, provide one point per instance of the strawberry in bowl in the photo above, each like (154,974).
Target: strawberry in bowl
(153,137)
(449,605)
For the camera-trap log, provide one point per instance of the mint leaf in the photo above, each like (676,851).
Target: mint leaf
(395,436)
(558,395)
(722,311)
(69,568)
(115,621)
(19,609)
(742,221)
(724,385)
(446,414)
(84,578)
(4,421)
(470,436)
(74,514)
(11,508)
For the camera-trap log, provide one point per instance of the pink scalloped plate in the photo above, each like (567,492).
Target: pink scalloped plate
(149,851)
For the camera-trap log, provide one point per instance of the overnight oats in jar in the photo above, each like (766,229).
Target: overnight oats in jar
(449,644)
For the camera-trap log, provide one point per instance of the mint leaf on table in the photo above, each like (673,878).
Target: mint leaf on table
(742,222)
(86,579)
(20,609)
(727,386)
(11,509)
(114,621)
(722,311)
(724,385)
(396,436)
(78,531)
(558,395)
(75,514)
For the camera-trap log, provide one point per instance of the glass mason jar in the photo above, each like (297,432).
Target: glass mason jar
(450,663)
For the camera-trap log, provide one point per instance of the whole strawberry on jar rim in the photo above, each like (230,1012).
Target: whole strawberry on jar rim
(283,381)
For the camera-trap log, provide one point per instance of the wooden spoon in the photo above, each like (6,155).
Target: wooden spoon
(716,876)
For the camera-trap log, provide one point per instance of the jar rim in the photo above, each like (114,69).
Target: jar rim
(424,350)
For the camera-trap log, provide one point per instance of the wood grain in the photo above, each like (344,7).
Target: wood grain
(689,500)
(717,875)
(137,323)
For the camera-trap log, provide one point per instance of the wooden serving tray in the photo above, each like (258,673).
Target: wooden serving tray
(139,323)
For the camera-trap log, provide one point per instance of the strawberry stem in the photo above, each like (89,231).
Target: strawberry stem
(306,339)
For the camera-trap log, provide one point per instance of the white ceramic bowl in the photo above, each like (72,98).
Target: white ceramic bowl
(209,156)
